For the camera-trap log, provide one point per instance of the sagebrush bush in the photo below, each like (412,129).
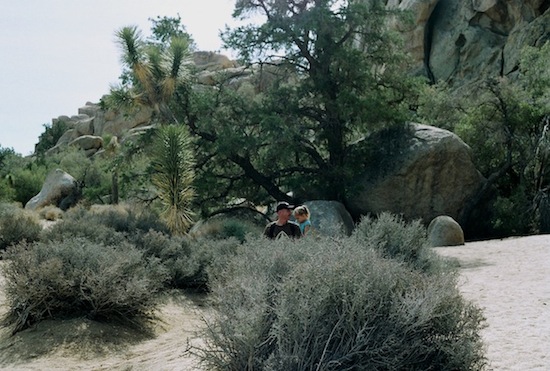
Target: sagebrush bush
(107,224)
(334,304)
(51,213)
(397,239)
(127,218)
(17,225)
(78,277)
(90,229)
(222,228)
(185,259)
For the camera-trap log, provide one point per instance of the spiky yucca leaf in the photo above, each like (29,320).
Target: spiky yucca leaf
(134,57)
(173,164)
(176,57)
(130,41)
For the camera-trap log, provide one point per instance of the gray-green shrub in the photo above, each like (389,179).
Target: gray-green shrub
(17,225)
(397,239)
(186,259)
(223,228)
(78,277)
(128,218)
(335,304)
(90,229)
(109,224)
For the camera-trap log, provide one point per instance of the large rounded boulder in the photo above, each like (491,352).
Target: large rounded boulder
(426,174)
(445,231)
(330,217)
(58,186)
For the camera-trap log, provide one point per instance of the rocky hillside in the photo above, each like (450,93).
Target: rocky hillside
(459,41)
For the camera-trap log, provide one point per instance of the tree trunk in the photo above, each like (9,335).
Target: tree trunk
(114,187)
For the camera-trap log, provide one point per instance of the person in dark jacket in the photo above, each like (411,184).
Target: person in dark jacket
(283,227)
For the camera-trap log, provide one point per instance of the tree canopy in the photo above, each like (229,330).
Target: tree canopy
(326,74)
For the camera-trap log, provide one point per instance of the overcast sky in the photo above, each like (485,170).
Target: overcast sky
(56,55)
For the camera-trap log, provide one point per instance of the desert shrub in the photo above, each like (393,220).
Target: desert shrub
(52,132)
(27,182)
(222,228)
(17,225)
(511,215)
(185,259)
(89,229)
(334,304)
(106,224)
(126,218)
(174,252)
(78,277)
(50,213)
(397,239)
(7,193)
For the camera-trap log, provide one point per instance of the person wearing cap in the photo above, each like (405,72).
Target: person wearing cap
(283,227)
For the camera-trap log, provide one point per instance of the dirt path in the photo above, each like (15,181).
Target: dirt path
(510,280)
(81,344)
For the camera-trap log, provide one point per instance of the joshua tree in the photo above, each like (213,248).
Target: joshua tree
(152,72)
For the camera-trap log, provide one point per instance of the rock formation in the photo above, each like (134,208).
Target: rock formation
(57,186)
(431,174)
(330,217)
(445,231)
(458,41)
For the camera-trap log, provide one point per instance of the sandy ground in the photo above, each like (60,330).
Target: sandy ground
(509,279)
(81,344)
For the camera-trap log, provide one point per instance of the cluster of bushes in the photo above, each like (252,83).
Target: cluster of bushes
(380,299)
(376,301)
(105,263)
(78,277)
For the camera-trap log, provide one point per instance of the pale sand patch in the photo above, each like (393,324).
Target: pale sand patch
(510,280)
(81,344)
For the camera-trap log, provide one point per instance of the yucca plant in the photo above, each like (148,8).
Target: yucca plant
(173,176)
(153,72)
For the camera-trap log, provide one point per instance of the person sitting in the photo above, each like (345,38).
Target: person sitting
(301,213)
(283,227)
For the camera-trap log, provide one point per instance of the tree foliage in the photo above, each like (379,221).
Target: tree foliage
(506,121)
(152,71)
(166,28)
(325,74)
(52,133)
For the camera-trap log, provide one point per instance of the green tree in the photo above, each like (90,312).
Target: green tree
(506,121)
(153,70)
(328,74)
(48,139)
(173,176)
(166,28)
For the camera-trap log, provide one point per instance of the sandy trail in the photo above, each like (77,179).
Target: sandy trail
(509,279)
(81,344)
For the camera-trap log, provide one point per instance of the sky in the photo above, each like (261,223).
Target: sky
(56,55)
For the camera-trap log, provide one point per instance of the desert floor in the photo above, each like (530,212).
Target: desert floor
(509,279)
